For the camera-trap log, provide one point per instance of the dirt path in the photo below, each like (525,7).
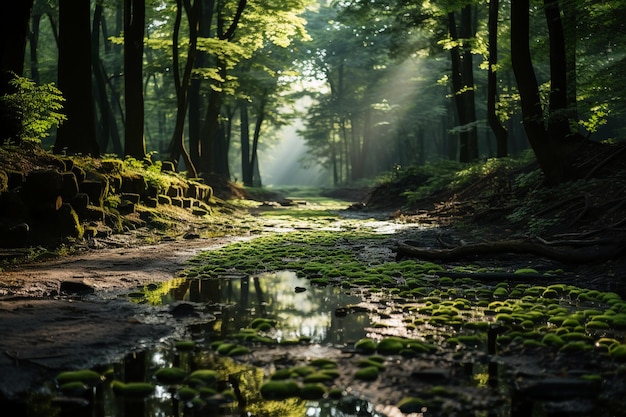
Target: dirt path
(43,331)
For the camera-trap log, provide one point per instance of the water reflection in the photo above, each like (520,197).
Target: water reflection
(301,310)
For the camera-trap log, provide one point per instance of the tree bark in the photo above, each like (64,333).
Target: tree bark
(558,121)
(246,172)
(498,129)
(463,86)
(177,145)
(134,23)
(532,113)
(78,134)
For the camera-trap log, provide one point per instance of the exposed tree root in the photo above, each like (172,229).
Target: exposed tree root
(574,251)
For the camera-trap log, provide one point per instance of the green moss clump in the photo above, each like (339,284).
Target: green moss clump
(185,345)
(526,271)
(186,393)
(552,339)
(238,351)
(204,376)
(74,389)
(312,391)
(390,346)
(132,389)
(172,375)
(335,393)
(320,376)
(618,352)
(86,376)
(410,405)
(280,390)
(369,373)
(366,345)
(323,363)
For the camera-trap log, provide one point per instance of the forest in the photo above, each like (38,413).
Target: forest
(381,208)
(373,85)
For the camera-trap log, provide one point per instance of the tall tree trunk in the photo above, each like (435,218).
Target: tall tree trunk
(134,23)
(177,145)
(463,86)
(254,161)
(246,172)
(195,105)
(532,113)
(213,148)
(570,20)
(78,134)
(13,32)
(558,121)
(498,129)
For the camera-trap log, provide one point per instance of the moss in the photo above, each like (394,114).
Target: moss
(206,376)
(552,339)
(323,363)
(280,390)
(225,348)
(319,376)
(369,373)
(390,346)
(313,391)
(172,375)
(132,389)
(526,271)
(86,376)
(410,405)
(186,393)
(577,346)
(335,393)
(618,352)
(238,350)
(185,345)
(74,389)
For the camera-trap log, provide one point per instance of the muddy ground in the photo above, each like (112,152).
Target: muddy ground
(45,329)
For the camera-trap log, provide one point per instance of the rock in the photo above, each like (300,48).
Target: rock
(95,190)
(432,375)
(75,288)
(69,189)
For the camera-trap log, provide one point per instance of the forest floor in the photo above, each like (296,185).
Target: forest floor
(44,331)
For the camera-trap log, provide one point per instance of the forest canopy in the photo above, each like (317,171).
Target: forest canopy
(366,85)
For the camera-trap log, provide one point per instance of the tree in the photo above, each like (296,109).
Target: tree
(78,134)
(177,145)
(134,24)
(13,32)
(498,129)
(553,147)
(463,81)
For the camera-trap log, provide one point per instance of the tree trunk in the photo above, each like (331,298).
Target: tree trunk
(13,32)
(532,112)
(134,23)
(177,145)
(558,121)
(463,86)
(195,105)
(246,172)
(78,134)
(254,162)
(492,84)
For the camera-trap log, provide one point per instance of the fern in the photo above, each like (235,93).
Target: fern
(38,107)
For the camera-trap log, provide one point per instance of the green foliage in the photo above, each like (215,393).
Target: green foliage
(38,107)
